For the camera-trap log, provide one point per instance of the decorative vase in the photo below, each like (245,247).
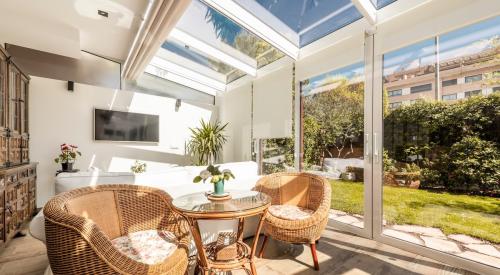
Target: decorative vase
(67,166)
(219,188)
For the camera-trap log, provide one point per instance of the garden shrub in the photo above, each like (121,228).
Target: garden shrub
(435,135)
(474,166)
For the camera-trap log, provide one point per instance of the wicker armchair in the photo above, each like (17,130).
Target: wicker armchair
(81,224)
(302,190)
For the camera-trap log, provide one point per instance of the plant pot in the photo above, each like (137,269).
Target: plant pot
(219,188)
(67,166)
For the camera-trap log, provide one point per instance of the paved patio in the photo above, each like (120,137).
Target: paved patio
(462,245)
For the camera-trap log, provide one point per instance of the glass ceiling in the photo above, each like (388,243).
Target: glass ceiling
(381,3)
(313,19)
(218,50)
(196,56)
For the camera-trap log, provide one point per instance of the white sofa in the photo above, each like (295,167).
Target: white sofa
(176,181)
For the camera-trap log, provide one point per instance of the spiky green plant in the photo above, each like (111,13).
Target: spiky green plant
(206,142)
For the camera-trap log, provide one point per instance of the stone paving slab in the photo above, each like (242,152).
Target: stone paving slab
(478,257)
(465,239)
(347,219)
(421,230)
(403,236)
(484,249)
(441,245)
(337,212)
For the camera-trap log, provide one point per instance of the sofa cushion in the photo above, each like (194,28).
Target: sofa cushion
(100,207)
(148,247)
(290,212)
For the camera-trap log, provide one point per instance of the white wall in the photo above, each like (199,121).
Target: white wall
(58,116)
(236,109)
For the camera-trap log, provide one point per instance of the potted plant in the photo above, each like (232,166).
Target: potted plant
(206,142)
(138,167)
(410,174)
(67,157)
(216,176)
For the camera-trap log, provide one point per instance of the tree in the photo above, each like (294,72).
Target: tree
(333,119)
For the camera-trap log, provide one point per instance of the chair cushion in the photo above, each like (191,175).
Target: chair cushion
(148,247)
(290,212)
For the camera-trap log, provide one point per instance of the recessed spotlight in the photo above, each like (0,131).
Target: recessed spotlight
(102,13)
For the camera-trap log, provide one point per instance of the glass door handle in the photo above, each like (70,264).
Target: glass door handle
(367,145)
(376,154)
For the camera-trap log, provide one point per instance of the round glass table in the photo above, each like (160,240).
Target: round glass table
(229,251)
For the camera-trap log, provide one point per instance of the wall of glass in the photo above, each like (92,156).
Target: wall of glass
(332,122)
(441,158)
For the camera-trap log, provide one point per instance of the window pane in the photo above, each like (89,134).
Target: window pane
(449,82)
(421,88)
(333,135)
(442,152)
(194,55)
(382,3)
(274,155)
(212,26)
(313,19)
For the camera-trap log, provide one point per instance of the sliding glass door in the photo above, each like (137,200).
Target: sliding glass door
(334,130)
(440,171)
(409,139)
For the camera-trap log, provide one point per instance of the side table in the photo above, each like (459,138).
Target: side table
(243,204)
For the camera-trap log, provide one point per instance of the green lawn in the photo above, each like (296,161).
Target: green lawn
(454,214)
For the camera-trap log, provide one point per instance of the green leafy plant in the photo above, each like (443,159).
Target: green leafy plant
(474,165)
(206,142)
(68,154)
(138,167)
(214,174)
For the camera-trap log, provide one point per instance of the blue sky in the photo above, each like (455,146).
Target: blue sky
(464,41)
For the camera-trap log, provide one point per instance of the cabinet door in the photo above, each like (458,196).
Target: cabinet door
(23,115)
(11,222)
(14,84)
(3,89)
(2,210)
(3,110)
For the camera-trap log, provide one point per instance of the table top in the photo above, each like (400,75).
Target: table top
(241,203)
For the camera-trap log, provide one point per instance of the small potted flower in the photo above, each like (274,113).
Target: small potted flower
(138,167)
(216,177)
(67,157)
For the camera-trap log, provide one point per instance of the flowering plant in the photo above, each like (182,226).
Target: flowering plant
(68,153)
(214,174)
(138,167)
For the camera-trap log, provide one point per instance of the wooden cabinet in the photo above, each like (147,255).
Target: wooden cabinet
(17,175)
(19,195)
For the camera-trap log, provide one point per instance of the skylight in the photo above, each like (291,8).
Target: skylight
(382,3)
(312,19)
(225,40)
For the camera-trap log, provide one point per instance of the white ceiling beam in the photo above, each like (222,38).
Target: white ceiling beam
(162,73)
(187,73)
(366,8)
(251,22)
(191,65)
(228,55)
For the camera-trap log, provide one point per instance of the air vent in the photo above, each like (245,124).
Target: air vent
(102,13)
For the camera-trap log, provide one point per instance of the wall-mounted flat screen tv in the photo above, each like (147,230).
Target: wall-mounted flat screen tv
(124,126)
